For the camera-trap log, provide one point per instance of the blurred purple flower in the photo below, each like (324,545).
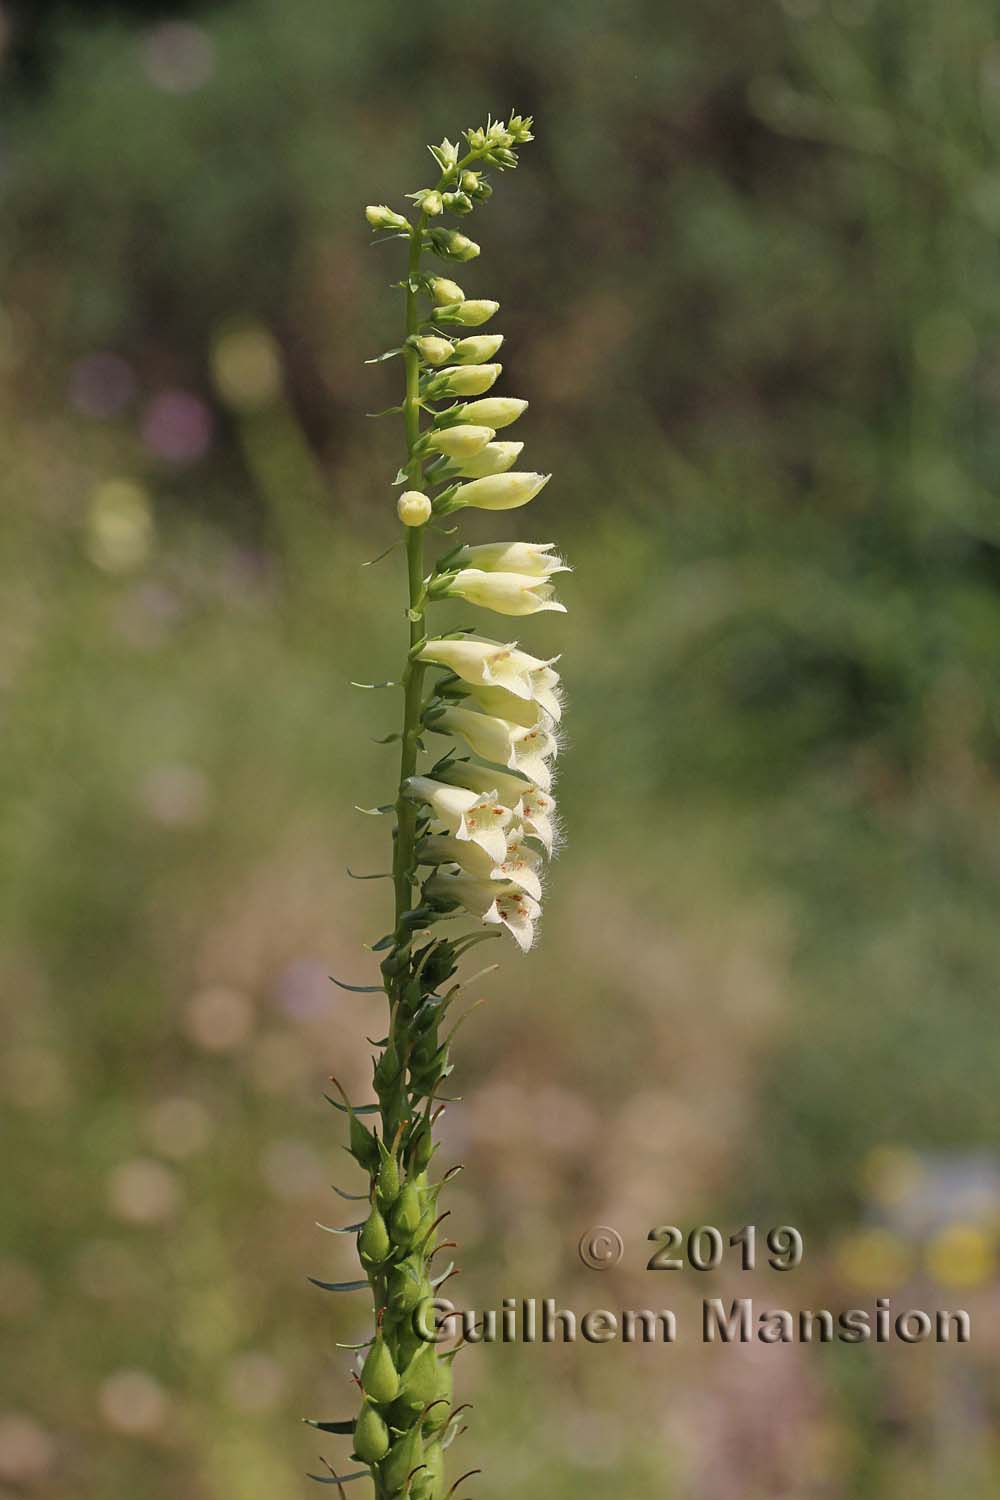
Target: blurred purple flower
(177,426)
(303,989)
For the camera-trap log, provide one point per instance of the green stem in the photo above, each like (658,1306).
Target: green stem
(413,677)
(404,856)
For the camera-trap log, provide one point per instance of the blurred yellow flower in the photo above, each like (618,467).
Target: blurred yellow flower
(873,1259)
(962,1255)
(892,1173)
(247,368)
(120,530)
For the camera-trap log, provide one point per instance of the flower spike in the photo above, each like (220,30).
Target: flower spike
(474,828)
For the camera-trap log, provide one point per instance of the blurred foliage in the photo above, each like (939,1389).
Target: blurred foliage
(750,286)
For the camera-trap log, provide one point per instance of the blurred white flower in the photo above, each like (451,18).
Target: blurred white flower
(133,1402)
(218,1019)
(143,1191)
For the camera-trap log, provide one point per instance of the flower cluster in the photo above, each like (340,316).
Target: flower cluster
(504,706)
(486,821)
(486,817)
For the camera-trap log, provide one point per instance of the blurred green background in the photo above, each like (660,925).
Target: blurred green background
(750,280)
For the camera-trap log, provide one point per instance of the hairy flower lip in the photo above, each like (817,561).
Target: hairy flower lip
(533,559)
(495,664)
(519,867)
(510,906)
(506,593)
(531,806)
(477,816)
(521,748)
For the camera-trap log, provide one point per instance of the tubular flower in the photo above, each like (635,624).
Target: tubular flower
(523,748)
(472,833)
(434,350)
(461,380)
(463,442)
(472,313)
(534,558)
(475,816)
(477,350)
(494,411)
(504,705)
(444,291)
(494,665)
(509,907)
(506,593)
(532,808)
(520,866)
(492,458)
(497,491)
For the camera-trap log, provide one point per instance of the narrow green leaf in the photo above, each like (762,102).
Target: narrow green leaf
(341,1427)
(370,564)
(357,1109)
(340,1478)
(339,1286)
(358,989)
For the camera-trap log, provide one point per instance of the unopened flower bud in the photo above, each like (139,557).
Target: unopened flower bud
(452,244)
(443,290)
(476,350)
(413,508)
(495,412)
(373,1241)
(371,1435)
(446,154)
(459,442)
(470,313)
(405,1457)
(387,1182)
(429,200)
(458,203)
(405,1217)
(462,380)
(498,492)
(493,458)
(380,216)
(433,350)
(469,181)
(379,1378)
